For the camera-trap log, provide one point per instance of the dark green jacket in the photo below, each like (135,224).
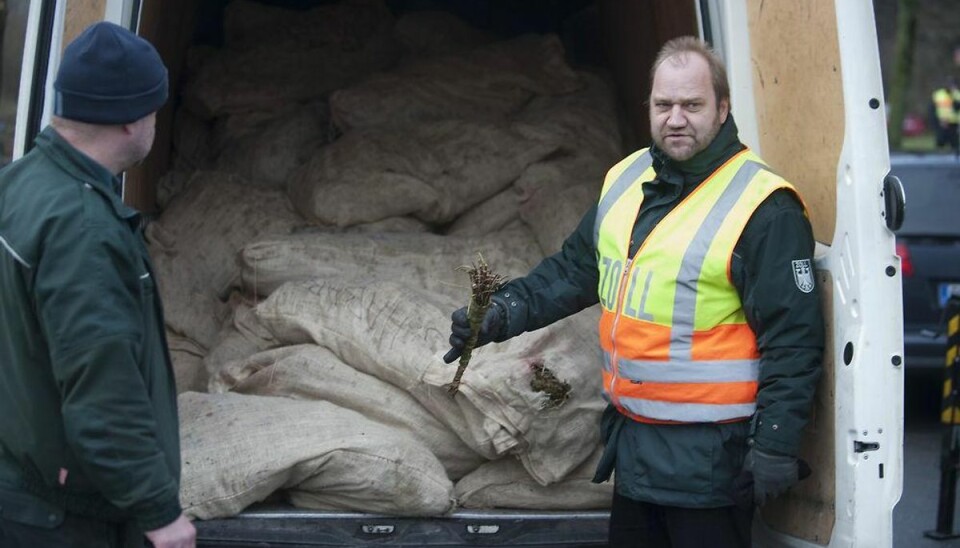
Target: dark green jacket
(693,465)
(87,393)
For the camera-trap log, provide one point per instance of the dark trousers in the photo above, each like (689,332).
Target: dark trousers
(643,525)
(948,136)
(74,532)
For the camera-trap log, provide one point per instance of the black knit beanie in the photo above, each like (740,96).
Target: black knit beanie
(109,75)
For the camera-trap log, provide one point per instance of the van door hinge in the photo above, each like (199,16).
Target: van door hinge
(862,446)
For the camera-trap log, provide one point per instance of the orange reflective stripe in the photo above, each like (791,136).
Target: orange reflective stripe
(636,339)
(725,342)
(606,330)
(720,393)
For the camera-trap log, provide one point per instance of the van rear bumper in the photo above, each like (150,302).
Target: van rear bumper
(290,527)
(923,350)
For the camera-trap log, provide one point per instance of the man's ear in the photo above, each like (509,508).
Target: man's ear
(724,109)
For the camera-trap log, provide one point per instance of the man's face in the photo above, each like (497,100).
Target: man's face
(684,114)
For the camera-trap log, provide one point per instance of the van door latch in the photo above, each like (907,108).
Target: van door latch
(894,202)
(862,446)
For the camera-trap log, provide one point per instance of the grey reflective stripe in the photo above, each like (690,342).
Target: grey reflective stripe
(685,298)
(687,412)
(17,257)
(686,371)
(606,362)
(620,186)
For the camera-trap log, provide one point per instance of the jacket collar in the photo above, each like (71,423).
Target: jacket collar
(724,146)
(84,168)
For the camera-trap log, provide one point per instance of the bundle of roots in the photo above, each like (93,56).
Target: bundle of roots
(483,284)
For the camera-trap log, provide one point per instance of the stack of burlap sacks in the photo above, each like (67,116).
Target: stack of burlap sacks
(332,169)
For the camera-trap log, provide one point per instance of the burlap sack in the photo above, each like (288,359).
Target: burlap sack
(268,156)
(486,83)
(314,373)
(192,137)
(554,213)
(347,24)
(241,337)
(171,183)
(188,369)
(553,438)
(435,171)
(231,129)
(427,33)
(425,261)
(587,121)
(489,216)
(504,483)
(238,449)
(271,77)
(194,243)
(398,334)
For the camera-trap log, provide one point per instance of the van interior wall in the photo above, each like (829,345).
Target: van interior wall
(632,35)
(170,29)
(799,97)
(79,14)
(800,114)
(621,36)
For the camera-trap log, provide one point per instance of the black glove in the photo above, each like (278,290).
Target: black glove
(766,476)
(460,330)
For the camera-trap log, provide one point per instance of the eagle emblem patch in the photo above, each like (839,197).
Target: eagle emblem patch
(803,275)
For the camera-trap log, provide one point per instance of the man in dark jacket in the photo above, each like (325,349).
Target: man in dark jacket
(89,442)
(702,261)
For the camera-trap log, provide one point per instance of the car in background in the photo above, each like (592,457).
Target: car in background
(928,244)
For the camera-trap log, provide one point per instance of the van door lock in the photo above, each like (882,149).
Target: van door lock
(862,446)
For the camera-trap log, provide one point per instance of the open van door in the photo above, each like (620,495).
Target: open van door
(34,35)
(809,99)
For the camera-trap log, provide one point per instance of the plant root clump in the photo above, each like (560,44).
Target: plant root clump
(484,282)
(544,380)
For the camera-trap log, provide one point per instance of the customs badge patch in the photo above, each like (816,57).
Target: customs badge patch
(803,275)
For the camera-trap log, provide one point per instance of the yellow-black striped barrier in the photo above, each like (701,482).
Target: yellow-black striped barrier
(950,416)
(950,411)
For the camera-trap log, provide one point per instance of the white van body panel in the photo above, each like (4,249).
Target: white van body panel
(866,296)
(30,46)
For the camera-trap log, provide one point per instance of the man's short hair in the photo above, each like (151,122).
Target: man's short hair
(685,45)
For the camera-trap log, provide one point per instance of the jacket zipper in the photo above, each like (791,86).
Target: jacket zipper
(613,331)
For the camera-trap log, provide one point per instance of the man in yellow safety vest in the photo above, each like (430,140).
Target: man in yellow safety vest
(711,329)
(946,106)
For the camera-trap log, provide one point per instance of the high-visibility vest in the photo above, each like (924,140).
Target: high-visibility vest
(943,100)
(675,340)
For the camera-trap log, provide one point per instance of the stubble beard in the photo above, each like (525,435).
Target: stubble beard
(684,153)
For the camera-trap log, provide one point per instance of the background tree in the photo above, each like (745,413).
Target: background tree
(903,65)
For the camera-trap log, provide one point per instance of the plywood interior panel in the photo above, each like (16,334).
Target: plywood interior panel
(79,15)
(799,97)
(808,511)
(170,29)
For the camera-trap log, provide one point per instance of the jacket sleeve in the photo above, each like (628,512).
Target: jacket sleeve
(786,315)
(87,295)
(562,284)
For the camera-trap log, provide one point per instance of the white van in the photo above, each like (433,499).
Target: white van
(807,96)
